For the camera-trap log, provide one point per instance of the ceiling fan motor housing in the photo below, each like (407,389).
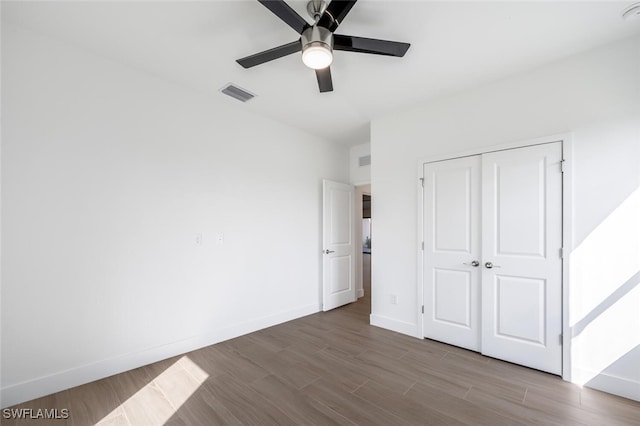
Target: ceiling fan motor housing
(317,36)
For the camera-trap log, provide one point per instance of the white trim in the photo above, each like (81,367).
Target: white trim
(358,243)
(364,183)
(567,228)
(491,148)
(420,242)
(32,389)
(394,325)
(567,247)
(611,384)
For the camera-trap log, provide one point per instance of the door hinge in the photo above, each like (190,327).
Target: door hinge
(561,166)
(561,339)
(423,309)
(561,253)
(422,245)
(422,181)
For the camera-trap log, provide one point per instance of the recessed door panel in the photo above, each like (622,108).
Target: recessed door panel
(520,308)
(452,297)
(520,198)
(341,202)
(340,274)
(452,211)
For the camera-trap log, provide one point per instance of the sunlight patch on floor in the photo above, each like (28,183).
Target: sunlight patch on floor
(161,398)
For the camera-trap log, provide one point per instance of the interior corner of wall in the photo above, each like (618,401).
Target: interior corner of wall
(403,327)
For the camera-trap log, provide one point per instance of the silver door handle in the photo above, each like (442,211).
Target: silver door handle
(473,263)
(327,251)
(490,265)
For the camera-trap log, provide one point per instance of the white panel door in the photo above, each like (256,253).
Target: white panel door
(452,251)
(521,263)
(338,245)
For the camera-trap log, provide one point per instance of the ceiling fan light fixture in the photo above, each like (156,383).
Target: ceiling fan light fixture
(317,55)
(317,47)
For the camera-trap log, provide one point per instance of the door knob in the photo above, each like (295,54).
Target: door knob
(490,265)
(473,263)
(327,251)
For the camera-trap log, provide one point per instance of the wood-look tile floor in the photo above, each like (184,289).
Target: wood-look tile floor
(333,368)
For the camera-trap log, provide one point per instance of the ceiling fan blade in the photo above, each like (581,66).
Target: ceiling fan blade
(335,13)
(370,45)
(283,11)
(271,54)
(324,80)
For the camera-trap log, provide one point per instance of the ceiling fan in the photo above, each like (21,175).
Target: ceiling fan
(318,41)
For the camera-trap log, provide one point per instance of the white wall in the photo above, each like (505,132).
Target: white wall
(108,174)
(359,175)
(594,95)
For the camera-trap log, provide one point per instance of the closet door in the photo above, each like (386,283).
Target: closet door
(451,249)
(521,260)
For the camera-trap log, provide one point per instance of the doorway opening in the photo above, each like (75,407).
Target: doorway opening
(365,238)
(366,246)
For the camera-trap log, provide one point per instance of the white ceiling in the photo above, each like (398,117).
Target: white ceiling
(454,46)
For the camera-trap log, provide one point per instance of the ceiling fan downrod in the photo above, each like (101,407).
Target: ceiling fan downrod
(316,8)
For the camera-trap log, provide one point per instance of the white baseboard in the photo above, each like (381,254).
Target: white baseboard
(407,328)
(56,382)
(359,293)
(615,385)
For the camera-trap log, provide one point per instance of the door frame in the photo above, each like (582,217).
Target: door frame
(567,228)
